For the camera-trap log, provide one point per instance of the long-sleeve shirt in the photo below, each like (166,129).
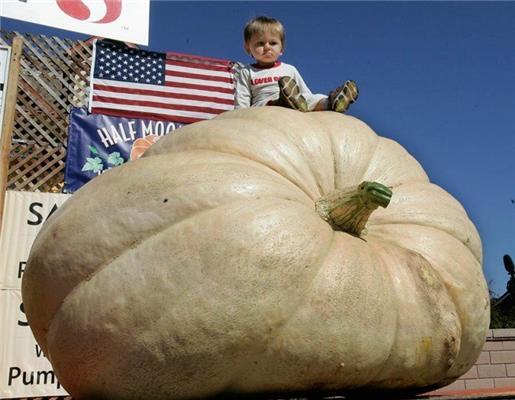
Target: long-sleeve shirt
(256,86)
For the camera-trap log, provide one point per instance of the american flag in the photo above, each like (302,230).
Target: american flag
(134,83)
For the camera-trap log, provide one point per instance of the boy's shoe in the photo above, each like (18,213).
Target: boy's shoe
(290,96)
(342,97)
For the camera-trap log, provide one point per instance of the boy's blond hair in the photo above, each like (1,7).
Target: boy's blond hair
(263,24)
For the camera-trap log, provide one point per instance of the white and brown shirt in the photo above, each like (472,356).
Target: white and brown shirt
(256,86)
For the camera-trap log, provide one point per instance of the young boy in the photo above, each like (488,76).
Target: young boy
(272,82)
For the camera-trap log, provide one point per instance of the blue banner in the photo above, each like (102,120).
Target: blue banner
(98,142)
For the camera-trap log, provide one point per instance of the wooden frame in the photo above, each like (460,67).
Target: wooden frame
(8,117)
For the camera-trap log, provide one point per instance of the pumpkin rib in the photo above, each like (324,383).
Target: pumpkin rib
(477,258)
(318,131)
(56,340)
(267,141)
(263,163)
(303,155)
(281,179)
(271,169)
(134,246)
(275,334)
(293,325)
(393,169)
(380,236)
(367,162)
(385,364)
(302,151)
(259,166)
(321,258)
(342,132)
(452,279)
(433,213)
(362,178)
(431,292)
(370,377)
(277,178)
(330,138)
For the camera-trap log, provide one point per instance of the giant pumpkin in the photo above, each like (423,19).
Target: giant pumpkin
(248,254)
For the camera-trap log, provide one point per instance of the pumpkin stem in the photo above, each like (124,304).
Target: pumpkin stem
(348,210)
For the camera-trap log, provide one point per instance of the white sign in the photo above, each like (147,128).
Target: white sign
(24,370)
(124,20)
(24,213)
(5,55)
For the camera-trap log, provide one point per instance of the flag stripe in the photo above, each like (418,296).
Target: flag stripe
(215,85)
(186,64)
(154,85)
(124,98)
(157,110)
(196,70)
(172,55)
(170,87)
(205,108)
(128,93)
(201,87)
(201,77)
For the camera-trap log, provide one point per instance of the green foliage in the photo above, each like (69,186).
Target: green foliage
(502,317)
(503,307)
(502,311)
(115,159)
(95,163)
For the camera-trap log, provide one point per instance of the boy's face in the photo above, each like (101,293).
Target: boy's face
(265,47)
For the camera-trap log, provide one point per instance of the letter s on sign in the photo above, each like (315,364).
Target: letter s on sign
(78,10)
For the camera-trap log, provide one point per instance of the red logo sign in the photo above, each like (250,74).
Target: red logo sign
(78,10)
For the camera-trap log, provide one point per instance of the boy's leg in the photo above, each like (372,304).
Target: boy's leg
(290,96)
(342,97)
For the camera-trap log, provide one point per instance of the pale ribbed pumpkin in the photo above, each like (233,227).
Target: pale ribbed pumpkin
(205,268)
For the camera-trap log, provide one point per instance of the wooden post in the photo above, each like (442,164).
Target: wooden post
(9,113)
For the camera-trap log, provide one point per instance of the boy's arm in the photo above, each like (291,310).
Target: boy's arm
(242,95)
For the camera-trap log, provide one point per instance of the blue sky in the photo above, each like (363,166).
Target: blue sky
(438,77)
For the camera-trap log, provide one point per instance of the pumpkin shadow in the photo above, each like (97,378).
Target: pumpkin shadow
(414,394)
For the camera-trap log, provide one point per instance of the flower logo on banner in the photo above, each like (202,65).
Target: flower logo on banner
(79,10)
